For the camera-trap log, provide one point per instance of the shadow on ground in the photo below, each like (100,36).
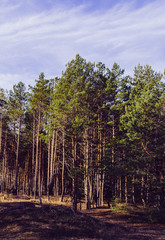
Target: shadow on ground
(25,220)
(133,223)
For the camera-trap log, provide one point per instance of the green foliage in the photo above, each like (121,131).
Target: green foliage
(40,96)
(117,207)
(17,101)
(150,215)
(113,124)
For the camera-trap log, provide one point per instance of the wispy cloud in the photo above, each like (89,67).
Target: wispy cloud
(44,41)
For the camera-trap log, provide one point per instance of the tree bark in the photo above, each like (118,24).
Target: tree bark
(74,156)
(17,157)
(126,190)
(40,169)
(63,166)
(113,135)
(48,170)
(37,154)
(33,153)
(142,191)
(133,189)
(87,184)
(4,163)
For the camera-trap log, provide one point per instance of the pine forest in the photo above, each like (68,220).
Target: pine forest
(93,133)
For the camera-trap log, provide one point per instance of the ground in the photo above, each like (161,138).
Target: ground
(28,219)
(136,230)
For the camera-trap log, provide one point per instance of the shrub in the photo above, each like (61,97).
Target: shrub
(117,206)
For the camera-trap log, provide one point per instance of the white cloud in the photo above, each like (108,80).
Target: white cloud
(45,41)
(7,80)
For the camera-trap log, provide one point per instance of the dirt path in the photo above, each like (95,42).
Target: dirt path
(139,231)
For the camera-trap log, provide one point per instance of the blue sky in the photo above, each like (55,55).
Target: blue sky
(43,35)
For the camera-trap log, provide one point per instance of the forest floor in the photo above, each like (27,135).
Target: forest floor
(25,218)
(132,221)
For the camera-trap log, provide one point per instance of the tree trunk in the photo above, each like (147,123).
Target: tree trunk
(75,179)
(100,173)
(113,135)
(40,169)
(25,180)
(56,179)
(63,166)
(52,156)
(37,155)
(133,189)
(33,153)
(86,167)
(126,190)
(142,191)
(147,190)
(17,158)
(4,163)
(48,170)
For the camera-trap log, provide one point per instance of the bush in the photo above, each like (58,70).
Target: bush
(117,206)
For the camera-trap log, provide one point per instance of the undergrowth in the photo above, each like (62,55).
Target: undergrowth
(138,214)
(155,215)
(118,207)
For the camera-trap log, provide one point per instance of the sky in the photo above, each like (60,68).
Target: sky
(44,35)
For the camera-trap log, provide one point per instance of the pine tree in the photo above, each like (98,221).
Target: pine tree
(16,105)
(143,121)
(39,101)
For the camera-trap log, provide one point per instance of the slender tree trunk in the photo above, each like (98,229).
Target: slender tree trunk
(63,166)
(52,165)
(133,189)
(29,173)
(48,170)
(4,163)
(102,189)
(37,155)
(91,184)
(101,152)
(103,174)
(25,180)
(52,156)
(55,167)
(142,191)
(86,176)
(40,169)
(147,190)
(17,158)
(56,178)
(126,190)
(74,155)
(113,135)
(98,173)
(33,153)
